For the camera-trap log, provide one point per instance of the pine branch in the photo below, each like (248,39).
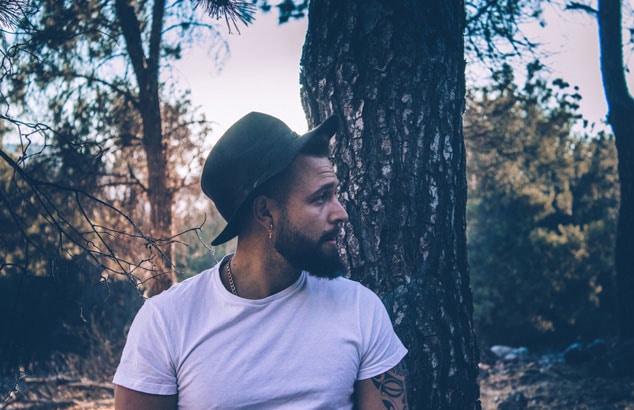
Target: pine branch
(232,11)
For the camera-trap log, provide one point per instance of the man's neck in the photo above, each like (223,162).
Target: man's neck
(258,272)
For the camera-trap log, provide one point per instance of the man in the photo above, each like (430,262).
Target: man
(272,326)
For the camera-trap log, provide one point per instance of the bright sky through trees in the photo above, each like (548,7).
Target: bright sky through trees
(262,72)
(571,40)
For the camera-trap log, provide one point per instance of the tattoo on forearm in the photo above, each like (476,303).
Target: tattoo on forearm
(391,386)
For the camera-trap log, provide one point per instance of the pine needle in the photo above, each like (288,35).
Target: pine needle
(232,11)
(11,11)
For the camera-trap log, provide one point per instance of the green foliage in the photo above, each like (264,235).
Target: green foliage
(71,105)
(541,213)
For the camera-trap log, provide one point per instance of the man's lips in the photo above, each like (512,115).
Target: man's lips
(330,236)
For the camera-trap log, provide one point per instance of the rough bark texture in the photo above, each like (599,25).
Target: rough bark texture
(394,73)
(160,195)
(621,113)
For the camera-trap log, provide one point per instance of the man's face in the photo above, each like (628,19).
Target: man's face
(308,223)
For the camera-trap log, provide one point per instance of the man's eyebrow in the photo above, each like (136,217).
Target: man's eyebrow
(332,185)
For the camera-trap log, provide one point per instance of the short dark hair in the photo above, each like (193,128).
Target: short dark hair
(278,186)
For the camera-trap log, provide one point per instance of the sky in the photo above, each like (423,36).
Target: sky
(262,72)
(571,40)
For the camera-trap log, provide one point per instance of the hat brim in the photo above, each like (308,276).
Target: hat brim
(327,128)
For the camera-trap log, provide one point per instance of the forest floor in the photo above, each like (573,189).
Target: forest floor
(529,384)
(542,385)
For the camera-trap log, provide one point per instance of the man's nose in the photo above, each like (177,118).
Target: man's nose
(339,213)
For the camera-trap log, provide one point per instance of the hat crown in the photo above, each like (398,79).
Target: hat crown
(241,158)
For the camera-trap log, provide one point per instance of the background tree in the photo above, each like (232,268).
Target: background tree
(500,21)
(102,67)
(394,73)
(541,215)
(621,112)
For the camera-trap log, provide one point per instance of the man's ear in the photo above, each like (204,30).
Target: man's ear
(264,208)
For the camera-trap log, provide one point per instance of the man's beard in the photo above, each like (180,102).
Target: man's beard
(307,254)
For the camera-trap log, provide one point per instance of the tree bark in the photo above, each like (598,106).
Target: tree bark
(160,195)
(394,73)
(621,112)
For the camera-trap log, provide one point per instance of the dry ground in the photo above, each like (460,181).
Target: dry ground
(530,385)
(553,386)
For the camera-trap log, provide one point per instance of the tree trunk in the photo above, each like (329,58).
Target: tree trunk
(621,112)
(160,195)
(394,72)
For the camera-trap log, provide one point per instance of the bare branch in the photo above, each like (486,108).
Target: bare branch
(574,5)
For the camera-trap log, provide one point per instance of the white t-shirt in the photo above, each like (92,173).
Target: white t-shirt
(301,348)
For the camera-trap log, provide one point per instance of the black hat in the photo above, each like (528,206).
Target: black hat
(254,149)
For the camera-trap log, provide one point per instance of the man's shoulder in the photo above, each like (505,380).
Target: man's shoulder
(343,287)
(186,290)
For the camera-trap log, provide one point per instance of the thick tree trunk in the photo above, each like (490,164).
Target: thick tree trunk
(621,112)
(394,72)
(160,195)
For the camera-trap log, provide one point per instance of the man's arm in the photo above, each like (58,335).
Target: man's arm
(385,391)
(127,399)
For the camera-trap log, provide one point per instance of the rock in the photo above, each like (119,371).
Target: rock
(578,353)
(575,354)
(515,401)
(509,354)
(483,369)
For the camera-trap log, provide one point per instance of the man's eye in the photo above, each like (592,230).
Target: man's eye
(323,197)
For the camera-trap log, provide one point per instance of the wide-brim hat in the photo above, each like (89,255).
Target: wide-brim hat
(253,150)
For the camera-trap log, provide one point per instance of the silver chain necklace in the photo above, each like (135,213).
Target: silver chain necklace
(232,285)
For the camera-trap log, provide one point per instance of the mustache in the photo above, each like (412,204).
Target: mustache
(329,235)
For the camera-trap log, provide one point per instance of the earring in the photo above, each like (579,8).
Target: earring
(271,231)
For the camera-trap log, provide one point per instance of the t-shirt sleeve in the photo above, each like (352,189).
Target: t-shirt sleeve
(146,363)
(381,347)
